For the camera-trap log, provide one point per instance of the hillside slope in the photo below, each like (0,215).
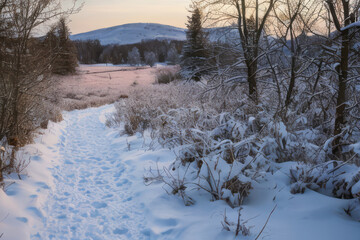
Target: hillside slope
(133,33)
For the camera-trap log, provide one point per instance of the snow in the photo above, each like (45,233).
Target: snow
(352,25)
(132,33)
(137,32)
(85,181)
(356,147)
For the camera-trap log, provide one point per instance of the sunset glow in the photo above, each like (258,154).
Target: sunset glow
(106,13)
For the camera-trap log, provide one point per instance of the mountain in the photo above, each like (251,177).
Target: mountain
(132,33)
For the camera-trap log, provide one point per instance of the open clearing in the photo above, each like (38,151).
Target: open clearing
(96,85)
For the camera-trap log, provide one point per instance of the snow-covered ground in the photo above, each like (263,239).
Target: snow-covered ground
(136,32)
(159,64)
(85,181)
(133,33)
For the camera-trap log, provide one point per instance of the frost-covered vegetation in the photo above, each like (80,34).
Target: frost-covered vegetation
(266,119)
(224,143)
(27,63)
(271,105)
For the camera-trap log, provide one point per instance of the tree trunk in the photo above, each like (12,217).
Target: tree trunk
(341,98)
(15,96)
(1,169)
(252,69)
(343,74)
(292,81)
(293,72)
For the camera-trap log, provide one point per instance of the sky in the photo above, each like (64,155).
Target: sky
(97,14)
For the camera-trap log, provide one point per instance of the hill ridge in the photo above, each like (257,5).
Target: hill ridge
(132,33)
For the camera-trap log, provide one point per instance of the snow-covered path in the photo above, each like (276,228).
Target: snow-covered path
(92,197)
(85,182)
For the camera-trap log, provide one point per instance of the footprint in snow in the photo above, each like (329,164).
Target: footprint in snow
(35,158)
(99,205)
(62,216)
(22,219)
(42,185)
(120,231)
(35,211)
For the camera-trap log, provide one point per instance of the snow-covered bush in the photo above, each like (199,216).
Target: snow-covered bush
(236,228)
(353,209)
(174,184)
(333,178)
(198,127)
(165,76)
(225,144)
(10,162)
(145,106)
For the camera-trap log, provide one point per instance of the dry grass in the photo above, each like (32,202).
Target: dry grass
(167,75)
(94,86)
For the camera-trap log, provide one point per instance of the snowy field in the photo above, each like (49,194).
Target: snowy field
(100,84)
(85,181)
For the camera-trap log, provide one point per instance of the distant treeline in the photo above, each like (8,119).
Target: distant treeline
(91,51)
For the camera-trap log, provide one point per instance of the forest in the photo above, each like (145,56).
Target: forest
(148,52)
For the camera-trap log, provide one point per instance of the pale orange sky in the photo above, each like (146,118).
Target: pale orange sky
(107,13)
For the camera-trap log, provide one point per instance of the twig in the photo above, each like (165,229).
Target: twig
(267,220)
(343,164)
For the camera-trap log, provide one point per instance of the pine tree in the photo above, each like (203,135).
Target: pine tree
(62,49)
(195,52)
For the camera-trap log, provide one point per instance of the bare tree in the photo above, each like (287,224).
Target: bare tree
(150,58)
(24,68)
(250,18)
(293,18)
(27,67)
(343,14)
(5,95)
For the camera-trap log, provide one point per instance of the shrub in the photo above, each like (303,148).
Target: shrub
(71,95)
(165,76)
(200,126)
(333,178)
(353,209)
(11,162)
(224,143)
(236,228)
(237,188)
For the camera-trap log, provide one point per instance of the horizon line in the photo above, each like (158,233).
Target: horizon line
(127,24)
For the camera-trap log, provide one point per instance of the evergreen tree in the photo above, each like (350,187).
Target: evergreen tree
(62,49)
(195,53)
